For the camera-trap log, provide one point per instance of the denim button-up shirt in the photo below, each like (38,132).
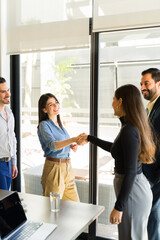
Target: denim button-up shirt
(48,134)
(8,143)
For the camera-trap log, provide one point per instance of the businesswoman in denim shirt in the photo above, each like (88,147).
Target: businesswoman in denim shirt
(56,143)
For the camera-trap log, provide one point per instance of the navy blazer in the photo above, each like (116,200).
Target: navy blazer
(152,171)
(154,116)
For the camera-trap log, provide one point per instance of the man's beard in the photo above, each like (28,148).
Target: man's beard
(6,101)
(150,94)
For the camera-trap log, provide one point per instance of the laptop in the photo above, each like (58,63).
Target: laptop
(14,224)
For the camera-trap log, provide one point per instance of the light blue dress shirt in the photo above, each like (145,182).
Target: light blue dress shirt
(48,134)
(8,143)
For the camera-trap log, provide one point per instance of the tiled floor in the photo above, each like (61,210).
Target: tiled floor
(108,231)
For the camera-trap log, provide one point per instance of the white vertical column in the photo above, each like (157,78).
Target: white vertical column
(0,37)
(4,58)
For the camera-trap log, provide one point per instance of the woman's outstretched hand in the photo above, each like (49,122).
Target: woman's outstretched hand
(82,139)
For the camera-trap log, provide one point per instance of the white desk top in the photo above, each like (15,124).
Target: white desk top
(72,219)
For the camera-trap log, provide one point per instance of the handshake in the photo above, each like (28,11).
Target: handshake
(81,139)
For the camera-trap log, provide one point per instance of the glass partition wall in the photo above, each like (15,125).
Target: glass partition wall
(123,56)
(66,75)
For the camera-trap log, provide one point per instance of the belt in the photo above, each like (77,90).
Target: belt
(60,160)
(5,159)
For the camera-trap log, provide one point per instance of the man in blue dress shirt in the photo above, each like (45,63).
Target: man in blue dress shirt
(8,168)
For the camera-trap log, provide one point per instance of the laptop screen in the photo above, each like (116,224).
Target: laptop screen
(12,214)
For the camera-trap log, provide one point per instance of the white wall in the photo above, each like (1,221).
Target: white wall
(4,59)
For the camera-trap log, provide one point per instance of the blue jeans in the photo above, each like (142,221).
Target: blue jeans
(5,175)
(154,218)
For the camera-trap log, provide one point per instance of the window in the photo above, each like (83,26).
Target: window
(123,56)
(66,74)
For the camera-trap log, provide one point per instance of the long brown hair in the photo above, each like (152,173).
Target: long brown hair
(135,114)
(42,116)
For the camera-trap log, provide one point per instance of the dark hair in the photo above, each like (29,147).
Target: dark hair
(42,116)
(135,114)
(2,80)
(155,73)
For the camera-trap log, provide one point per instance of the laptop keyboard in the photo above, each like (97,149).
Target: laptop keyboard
(25,231)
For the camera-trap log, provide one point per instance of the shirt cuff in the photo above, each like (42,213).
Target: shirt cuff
(13,161)
(53,147)
(89,138)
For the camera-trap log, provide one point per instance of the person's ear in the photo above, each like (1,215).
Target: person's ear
(44,110)
(120,101)
(158,84)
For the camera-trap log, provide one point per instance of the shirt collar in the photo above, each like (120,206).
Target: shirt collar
(151,104)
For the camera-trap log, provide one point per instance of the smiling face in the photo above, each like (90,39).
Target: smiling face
(4,94)
(52,107)
(149,88)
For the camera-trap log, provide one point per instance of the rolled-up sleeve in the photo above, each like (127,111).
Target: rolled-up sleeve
(46,136)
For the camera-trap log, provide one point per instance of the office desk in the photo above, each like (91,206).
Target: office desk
(72,219)
(106,195)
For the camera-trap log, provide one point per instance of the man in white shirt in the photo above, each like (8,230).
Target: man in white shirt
(8,143)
